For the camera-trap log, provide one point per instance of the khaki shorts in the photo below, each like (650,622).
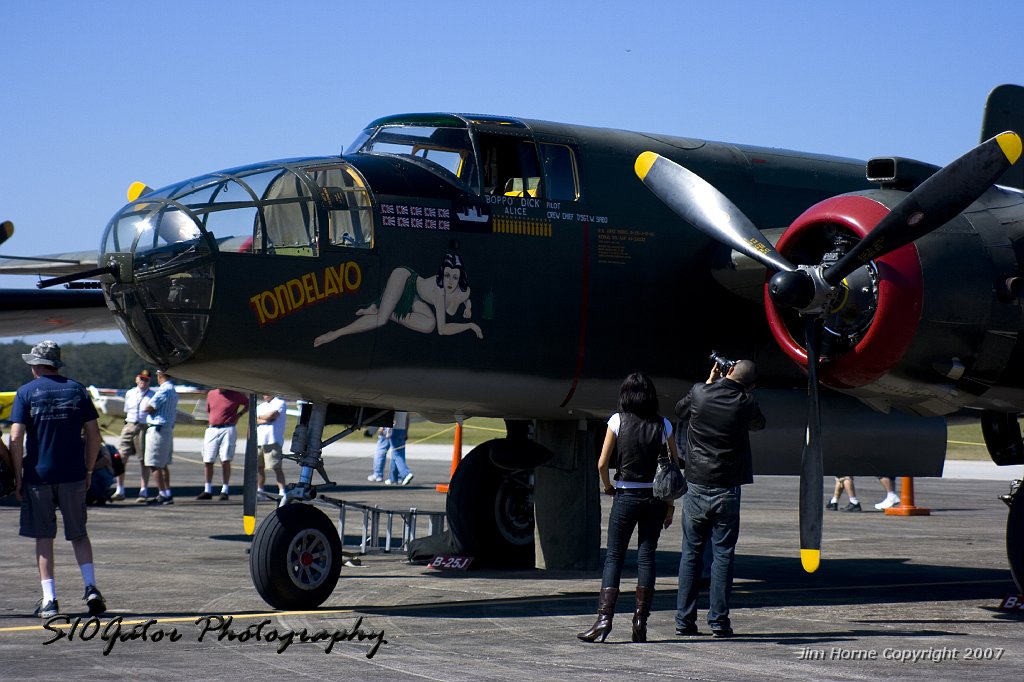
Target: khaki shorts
(39,507)
(159,445)
(133,440)
(272,455)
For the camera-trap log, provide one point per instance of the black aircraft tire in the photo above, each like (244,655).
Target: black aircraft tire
(295,558)
(490,510)
(1015,541)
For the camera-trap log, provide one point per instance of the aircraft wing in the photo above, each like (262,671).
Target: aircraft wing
(26,311)
(51,265)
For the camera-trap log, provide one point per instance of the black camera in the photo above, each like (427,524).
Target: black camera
(724,363)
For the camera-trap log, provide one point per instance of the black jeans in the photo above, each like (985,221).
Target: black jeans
(633,509)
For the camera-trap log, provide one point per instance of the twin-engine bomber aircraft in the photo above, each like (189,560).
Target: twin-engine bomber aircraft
(463,265)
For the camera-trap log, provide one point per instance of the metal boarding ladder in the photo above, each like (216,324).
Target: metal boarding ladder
(371,523)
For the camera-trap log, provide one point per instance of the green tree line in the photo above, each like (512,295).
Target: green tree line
(107,365)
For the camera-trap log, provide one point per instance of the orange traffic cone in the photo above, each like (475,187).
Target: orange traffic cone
(456,456)
(906,506)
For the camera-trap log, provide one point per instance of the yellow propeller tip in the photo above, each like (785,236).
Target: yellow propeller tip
(643,164)
(249,523)
(1010,144)
(810,559)
(137,189)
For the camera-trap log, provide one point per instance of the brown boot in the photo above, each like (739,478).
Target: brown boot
(605,612)
(644,596)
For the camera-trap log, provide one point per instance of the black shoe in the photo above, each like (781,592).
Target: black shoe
(47,610)
(204,496)
(832,506)
(722,632)
(687,631)
(94,600)
(165,499)
(851,507)
(223,497)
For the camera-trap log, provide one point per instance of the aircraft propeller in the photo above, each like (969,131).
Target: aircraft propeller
(812,289)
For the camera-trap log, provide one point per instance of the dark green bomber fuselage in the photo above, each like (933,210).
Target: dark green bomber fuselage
(569,295)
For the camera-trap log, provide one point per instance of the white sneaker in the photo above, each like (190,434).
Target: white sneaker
(408,477)
(374,478)
(387,482)
(889,501)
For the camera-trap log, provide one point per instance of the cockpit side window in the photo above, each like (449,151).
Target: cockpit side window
(510,166)
(344,195)
(561,177)
(447,152)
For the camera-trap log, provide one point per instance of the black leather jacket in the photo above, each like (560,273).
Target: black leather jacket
(720,416)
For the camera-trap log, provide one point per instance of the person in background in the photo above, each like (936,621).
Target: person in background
(891,498)
(270,423)
(161,413)
(223,407)
(392,439)
(844,483)
(53,468)
(133,434)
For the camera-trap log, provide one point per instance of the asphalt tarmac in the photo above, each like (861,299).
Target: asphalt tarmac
(896,597)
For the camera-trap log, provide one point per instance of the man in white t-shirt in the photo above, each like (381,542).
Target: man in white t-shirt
(270,421)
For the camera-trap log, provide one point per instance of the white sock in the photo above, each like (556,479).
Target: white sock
(854,500)
(120,490)
(88,574)
(834,500)
(166,493)
(260,490)
(209,488)
(49,590)
(224,489)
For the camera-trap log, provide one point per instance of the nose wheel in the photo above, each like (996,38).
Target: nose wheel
(295,558)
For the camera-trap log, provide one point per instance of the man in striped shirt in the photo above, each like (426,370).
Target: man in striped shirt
(161,413)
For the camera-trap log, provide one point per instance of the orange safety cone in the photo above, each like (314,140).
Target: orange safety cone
(906,506)
(456,456)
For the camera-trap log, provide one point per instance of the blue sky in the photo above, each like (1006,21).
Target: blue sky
(96,95)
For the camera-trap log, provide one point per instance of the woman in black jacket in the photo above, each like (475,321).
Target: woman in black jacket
(639,433)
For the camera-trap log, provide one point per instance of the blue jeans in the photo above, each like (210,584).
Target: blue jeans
(709,513)
(633,509)
(393,440)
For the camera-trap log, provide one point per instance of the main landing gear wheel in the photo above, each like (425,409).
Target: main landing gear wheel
(1015,534)
(295,557)
(490,507)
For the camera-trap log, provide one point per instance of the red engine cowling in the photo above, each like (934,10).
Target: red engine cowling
(897,294)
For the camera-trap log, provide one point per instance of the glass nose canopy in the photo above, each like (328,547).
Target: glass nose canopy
(169,236)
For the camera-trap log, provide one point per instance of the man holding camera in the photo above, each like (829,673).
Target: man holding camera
(720,414)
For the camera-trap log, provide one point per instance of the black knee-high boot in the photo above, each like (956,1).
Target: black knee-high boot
(644,597)
(605,613)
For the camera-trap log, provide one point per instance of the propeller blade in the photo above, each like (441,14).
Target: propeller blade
(700,204)
(811,505)
(6,231)
(249,478)
(137,189)
(934,203)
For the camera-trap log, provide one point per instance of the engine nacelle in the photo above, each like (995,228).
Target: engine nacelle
(928,328)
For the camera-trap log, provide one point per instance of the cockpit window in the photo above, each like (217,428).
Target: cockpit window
(274,208)
(448,152)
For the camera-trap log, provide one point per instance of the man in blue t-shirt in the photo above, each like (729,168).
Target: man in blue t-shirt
(53,467)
